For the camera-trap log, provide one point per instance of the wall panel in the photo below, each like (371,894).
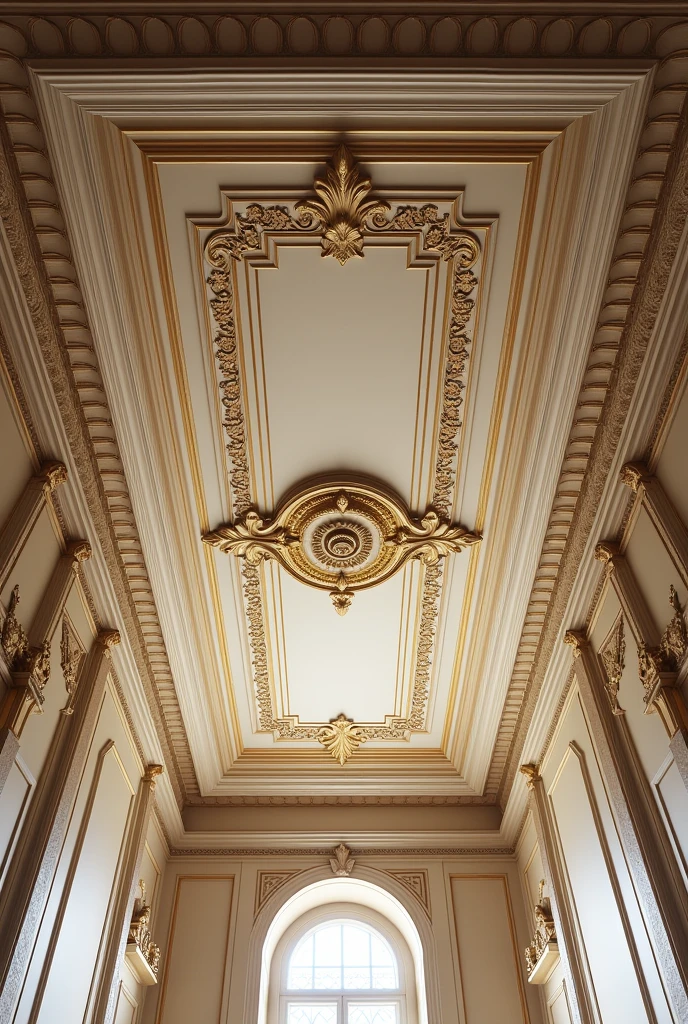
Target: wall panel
(192,986)
(487,949)
(88,893)
(616,987)
(13,804)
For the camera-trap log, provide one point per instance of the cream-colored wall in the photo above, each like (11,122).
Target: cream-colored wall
(209,906)
(69,950)
(554,994)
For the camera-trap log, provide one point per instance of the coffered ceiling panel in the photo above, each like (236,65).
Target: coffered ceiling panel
(341,380)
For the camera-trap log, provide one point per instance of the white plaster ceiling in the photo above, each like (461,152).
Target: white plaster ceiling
(341,373)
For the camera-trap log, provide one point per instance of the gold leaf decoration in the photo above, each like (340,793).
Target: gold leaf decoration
(342,206)
(341,738)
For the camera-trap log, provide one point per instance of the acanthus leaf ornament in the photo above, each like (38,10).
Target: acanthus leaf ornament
(432,539)
(341,738)
(252,538)
(342,206)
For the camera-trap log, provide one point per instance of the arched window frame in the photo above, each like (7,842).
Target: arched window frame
(405,994)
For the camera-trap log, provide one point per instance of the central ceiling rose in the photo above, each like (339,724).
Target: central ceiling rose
(342,537)
(342,544)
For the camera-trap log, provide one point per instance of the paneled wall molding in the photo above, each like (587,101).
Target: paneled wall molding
(648,852)
(659,654)
(28,653)
(36,855)
(28,670)
(573,962)
(662,513)
(25,513)
(52,606)
(127,883)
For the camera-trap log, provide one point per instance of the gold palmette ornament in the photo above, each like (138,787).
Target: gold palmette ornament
(341,738)
(342,537)
(342,206)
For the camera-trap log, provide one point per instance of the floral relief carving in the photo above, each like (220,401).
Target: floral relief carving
(267,883)
(71,658)
(613,654)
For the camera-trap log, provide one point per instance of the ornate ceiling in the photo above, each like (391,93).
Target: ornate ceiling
(340,359)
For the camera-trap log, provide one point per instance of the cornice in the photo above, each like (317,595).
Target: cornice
(56,314)
(363,851)
(638,277)
(438,31)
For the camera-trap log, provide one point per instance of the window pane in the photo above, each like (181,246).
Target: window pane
(356,946)
(385,977)
(328,978)
(356,977)
(328,946)
(381,954)
(372,1013)
(300,977)
(303,954)
(312,1013)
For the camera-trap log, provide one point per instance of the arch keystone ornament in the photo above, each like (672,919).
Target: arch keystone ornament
(342,537)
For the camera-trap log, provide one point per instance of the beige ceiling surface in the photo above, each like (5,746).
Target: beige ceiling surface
(344,373)
(357,374)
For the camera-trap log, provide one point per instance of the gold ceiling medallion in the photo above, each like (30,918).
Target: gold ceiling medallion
(342,537)
(342,207)
(341,738)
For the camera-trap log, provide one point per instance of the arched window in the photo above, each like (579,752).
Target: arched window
(342,965)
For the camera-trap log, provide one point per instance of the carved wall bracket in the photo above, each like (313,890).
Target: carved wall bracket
(342,537)
(543,952)
(29,667)
(140,947)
